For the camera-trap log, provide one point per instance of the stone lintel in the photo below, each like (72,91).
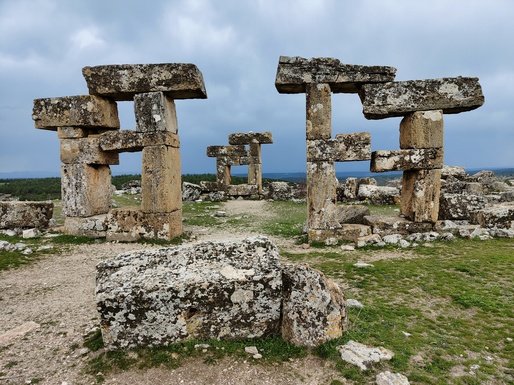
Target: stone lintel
(387,224)
(410,159)
(123,81)
(343,148)
(133,141)
(251,137)
(82,111)
(215,151)
(86,151)
(293,73)
(451,95)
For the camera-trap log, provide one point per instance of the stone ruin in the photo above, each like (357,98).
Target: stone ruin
(237,154)
(91,140)
(422,104)
(228,290)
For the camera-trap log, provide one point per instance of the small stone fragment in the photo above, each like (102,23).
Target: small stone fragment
(251,350)
(388,378)
(363,356)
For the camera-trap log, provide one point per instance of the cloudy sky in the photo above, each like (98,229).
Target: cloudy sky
(236,44)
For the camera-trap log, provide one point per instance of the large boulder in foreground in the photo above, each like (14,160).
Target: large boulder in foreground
(314,308)
(24,214)
(222,290)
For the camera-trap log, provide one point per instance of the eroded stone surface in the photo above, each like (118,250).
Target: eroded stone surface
(123,81)
(86,111)
(314,308)
(460,206)
(451,95)
(343,148)
(293,73)
(223,290)
(250,137)
(497,216)
(408,159)
(363,356)
(25,214)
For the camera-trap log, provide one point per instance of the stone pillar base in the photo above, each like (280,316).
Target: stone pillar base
(130,224)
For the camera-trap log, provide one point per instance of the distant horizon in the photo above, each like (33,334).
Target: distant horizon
(56,174)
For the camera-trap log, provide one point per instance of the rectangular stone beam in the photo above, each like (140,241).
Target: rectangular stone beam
(82,111)
(155,111)
(451,95)
(86,151)
(293,73)
(122,82)
(343,148)
(251,137)
(403,160)
(215,151)
(133,141)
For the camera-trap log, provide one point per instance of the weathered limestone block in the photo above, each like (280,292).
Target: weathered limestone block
(497,216)
(403,160)
(386,225)
(129,224)
(334,216)
(456,172)
(228,151)
(293,73)
(86,189)
(343,148)
(280,191)
(208,186)
(420,195)
(313,307)
(388,378)
(133,141)
(319,111)
(380,195)
(87,151)
(223,290)
(191,192)
(155,111)
(321,189)
(122,82)
(422,129)
(75,111)
(250,137)
(451,95)
(161,180)
(460,206)
(25,214)
(348,190)
(92,227)
(347,232)
(242,190)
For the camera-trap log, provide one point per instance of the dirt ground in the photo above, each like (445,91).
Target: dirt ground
(51,305)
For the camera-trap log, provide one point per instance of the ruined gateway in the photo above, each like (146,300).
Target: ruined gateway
(88,129)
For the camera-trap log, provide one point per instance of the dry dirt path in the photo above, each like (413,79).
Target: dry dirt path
(54,299)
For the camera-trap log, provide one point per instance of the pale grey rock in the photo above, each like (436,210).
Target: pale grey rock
(388,378)
(313,308)
(363,264)
(347,248)
(371,239)
(496,216)
(392,239)
(222,290)
(6,246)
(31,233)
(363,356)
(350,302)
(251,350)
(459,206)
(453,171)
(404,243)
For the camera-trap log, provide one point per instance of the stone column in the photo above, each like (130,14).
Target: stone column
(421,188)
(321,174)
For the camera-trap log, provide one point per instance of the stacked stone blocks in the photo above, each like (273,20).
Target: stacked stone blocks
(237,154)
(421,103)
(88,129)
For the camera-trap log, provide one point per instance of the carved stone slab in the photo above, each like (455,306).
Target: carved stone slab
(132,141)
(452,95)
(123,81)
(251,137)
(216,151)
(402,160)
(343,148)
(293,73)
